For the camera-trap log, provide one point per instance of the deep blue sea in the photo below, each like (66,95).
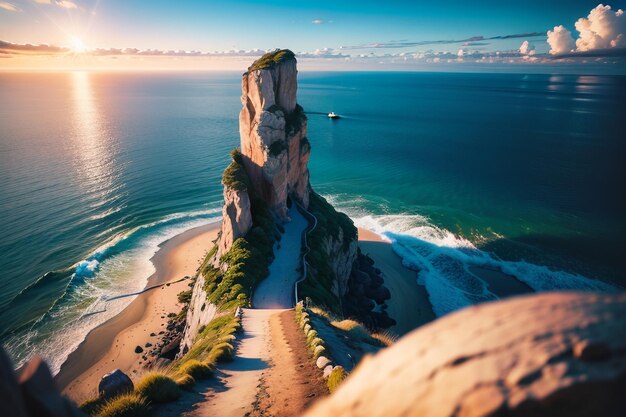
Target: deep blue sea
(522,173)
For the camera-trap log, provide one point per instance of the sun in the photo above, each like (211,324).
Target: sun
(78,46)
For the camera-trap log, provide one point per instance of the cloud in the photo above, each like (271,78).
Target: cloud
(65,4)
(14,48)
(560,40)
(326,53)
(320,21)
(527,48)
(474,39)
(602,29)
(5,5)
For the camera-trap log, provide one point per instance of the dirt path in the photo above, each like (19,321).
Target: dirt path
(276,291)
(293,382)
(233,392)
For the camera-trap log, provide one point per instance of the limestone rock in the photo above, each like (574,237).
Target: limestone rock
(322,362)
(553,354)
(114,383)
(273,130)
(236,219)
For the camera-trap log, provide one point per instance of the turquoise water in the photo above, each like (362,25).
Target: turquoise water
(522,173)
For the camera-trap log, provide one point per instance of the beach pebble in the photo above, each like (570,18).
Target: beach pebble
(327,370)
(138,349)
(153,334)
(148,344)
(322,362)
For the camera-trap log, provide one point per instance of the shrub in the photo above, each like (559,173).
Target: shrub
(353,328)
(91,407)
(158,388)
(127,405)
(183,298)
(235,176)
(277,147)
(221,352)
(196,369)
(336,377)
(186,382)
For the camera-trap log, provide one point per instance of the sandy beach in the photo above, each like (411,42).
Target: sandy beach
(112,344)
(409,305)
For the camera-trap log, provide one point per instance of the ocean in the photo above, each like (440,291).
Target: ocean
(520,173)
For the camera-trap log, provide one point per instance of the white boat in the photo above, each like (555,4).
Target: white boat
(333,115)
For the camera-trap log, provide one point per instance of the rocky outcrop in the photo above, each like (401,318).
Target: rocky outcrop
(272,127)
(115,383)
(555,354)
(366,296)
(236,219)
(32,393)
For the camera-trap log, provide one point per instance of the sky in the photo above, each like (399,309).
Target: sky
(530,35)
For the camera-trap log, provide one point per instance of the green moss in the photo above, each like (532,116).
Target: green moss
(271,59)
(158,388)
(335,379)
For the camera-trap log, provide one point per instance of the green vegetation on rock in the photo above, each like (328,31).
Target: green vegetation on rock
(271,59)
(247,262)
(320,278)
(235,176)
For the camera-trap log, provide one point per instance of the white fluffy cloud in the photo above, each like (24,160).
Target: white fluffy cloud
(560,40)
(527,48)
(602,29)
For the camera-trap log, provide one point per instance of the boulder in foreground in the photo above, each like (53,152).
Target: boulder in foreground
(554,354)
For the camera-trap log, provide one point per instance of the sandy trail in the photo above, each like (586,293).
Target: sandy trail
(276,291)
(234,391)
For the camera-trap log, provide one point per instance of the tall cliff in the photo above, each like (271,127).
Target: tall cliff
(269,171)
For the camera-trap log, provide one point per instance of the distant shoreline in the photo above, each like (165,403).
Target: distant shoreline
(111,345)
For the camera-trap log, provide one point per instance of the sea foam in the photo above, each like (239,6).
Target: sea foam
(120,266)
(444,260)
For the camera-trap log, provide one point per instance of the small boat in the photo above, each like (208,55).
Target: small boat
(333,115)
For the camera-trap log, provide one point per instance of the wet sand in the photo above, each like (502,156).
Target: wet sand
(409,305)
(112,344)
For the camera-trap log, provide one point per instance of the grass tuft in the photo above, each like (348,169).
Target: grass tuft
(158,388)
(196,369)
(186,382)
(127,405)
(336,377)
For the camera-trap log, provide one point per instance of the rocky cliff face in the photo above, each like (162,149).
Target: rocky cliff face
(558,354)
(275,153)
(273,131)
